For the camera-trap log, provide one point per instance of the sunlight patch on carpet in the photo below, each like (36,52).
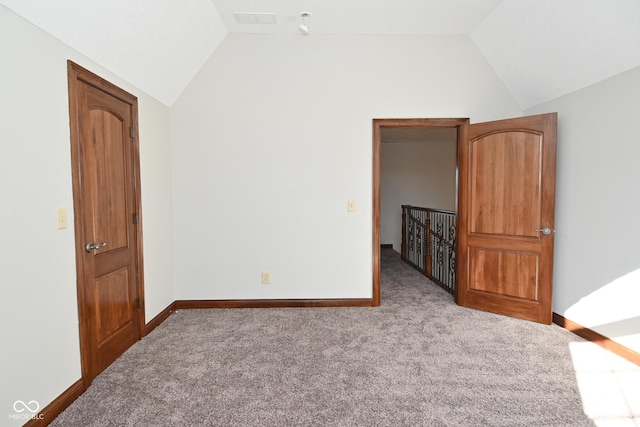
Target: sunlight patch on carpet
(609,385)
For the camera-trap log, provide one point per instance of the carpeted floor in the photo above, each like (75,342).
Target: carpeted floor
(418,360)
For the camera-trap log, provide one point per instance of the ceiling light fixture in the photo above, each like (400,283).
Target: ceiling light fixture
(304,29)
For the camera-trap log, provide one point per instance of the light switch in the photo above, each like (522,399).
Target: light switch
(351,206)
(62,218)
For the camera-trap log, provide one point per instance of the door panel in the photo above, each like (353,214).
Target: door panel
(512,209)
(504,273)
(112,304)
(106,201)
(507,192)
(110,205)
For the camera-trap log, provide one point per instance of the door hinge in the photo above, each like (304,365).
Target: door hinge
(139,302)
(133,132)
(135,218)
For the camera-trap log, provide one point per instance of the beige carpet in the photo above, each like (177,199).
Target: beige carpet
(418,360)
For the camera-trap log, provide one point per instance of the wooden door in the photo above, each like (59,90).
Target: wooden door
(506,210)
(106,203)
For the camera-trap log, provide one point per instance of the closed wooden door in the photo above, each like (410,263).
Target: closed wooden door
(506,211)
(106,203)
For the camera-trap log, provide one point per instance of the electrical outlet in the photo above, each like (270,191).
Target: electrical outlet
(266,278)
(62,218)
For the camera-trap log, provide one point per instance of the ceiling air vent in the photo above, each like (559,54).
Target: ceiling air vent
(255,18)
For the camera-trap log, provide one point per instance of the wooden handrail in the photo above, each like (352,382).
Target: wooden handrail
(416,219)
(429,209)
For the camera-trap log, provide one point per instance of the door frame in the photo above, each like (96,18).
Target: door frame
(76,74)
(458,123)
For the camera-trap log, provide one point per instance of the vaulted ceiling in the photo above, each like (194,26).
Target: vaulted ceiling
(541,49)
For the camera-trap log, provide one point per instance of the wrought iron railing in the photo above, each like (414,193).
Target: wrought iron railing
(429,243)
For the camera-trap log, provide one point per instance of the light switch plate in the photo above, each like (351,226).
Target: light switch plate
(62,218)
(351,206)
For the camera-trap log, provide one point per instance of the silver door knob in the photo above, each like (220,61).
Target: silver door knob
(93,247)
(546,231)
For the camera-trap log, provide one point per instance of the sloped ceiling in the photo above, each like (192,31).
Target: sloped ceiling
(541,49)
(156,45)
(544,49)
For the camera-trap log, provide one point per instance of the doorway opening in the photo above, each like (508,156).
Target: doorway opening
(396,131)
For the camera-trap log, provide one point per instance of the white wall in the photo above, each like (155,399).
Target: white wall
(597,258)
(274,136)
(419,174)
(39,321)
(157,203)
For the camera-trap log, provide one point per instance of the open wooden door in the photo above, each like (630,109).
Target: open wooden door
(506,206)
